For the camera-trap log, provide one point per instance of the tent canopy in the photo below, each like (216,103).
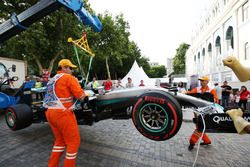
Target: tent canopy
(137,74)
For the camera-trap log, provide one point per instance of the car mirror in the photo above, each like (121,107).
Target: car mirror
(15,78)
(13,68)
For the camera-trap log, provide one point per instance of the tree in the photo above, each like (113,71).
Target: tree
(114,51)
(157,71)
(112,41)
(179,59)
(44,41)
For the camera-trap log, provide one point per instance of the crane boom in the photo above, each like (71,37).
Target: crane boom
(19,23)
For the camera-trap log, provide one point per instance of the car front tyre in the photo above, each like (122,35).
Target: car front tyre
(157,116)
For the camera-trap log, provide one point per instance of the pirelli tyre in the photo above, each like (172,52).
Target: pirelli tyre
(157,116)
(18,116)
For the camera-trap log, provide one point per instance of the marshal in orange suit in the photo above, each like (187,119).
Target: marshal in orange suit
(202,89)
(61,90)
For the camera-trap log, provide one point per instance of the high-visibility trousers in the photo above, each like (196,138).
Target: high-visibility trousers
(65,129)
(196,135)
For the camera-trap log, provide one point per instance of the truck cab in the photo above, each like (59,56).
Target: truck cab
(4,76)
(6,92)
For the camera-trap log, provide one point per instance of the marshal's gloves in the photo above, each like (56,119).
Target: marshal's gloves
(239,122)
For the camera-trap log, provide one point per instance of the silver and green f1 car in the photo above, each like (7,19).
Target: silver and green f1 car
(155,112)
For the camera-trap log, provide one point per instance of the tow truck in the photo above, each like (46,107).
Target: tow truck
(18,23)
(156,112)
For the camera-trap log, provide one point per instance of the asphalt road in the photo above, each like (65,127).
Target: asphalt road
(116,143)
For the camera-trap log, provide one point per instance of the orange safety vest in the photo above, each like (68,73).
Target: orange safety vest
(203,90)
(60,91)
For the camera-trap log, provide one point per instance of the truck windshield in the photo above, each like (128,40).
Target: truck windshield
(3,73)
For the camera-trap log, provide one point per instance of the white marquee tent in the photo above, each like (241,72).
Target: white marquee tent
(137,74)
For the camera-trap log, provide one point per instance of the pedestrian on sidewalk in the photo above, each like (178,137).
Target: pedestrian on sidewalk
(244,93)
(226,94)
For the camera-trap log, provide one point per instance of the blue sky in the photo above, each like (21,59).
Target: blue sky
(158,27)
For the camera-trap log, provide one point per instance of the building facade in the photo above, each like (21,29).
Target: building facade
(169,66)
(223,31)
(153,64)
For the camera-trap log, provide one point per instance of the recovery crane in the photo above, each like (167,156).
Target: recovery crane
(20,22)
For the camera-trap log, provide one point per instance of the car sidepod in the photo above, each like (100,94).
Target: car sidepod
(6,100)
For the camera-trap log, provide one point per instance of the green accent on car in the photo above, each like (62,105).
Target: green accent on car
(108,102)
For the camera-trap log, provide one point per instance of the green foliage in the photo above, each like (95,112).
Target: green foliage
(44,40)
(44,43)
(157,72)
(179,59)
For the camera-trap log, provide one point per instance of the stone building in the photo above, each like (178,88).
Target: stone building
(223,31)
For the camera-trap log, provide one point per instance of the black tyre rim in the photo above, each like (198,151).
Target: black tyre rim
(153,117)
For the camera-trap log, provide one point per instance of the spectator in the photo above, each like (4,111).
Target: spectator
(45,76)
(218,90)
(231,100)
(28,83)
(108,84)
(26,96)
(129,84)
(38,85)
(180,88)
(226,90)
(244,93)
(237,97)
(119,85)
(94,83)
(142,83)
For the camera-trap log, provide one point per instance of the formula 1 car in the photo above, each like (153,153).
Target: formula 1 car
(156,112)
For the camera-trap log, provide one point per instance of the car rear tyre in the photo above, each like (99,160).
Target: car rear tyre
(18,116)
(157,116)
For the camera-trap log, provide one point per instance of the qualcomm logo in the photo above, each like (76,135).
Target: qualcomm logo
(219,119)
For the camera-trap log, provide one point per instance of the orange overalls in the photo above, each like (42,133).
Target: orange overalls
(196,134)
(61,118)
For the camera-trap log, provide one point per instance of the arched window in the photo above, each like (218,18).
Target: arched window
(199,56)
(230,38)
(194,58)
(247,56)
(218,45)
(209,48)
(245,11)
(203,52)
